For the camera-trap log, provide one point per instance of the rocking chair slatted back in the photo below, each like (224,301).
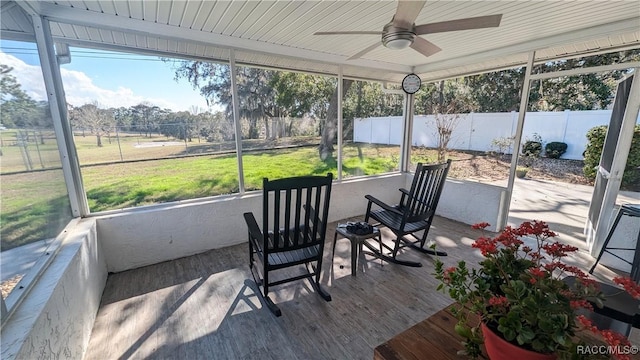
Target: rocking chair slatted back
(287,202)
(425,191)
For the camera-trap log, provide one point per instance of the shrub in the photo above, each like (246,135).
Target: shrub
(521,171)
(501,145)
(595,138)
(532,148)
(555,149)
(595,143)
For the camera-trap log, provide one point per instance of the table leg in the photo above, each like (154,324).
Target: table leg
(354,256)
(335,238)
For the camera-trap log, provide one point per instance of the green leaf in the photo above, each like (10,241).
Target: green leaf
(525,336)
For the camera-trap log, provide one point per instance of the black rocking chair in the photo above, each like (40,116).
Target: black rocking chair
(294,223)
(415,212)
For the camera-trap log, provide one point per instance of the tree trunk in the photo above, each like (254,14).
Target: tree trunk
(266,128)
(330,128)
(99,139)
(440,95)
(253,127)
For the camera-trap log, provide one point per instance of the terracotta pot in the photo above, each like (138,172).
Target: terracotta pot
(500,349)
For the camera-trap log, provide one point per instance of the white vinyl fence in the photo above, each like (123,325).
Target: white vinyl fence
(475,131)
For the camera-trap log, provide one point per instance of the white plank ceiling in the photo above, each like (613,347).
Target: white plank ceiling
(280,33)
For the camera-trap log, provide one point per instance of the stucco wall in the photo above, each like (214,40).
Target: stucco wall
(469,202)
(146,236)
(182,229)
(56,318)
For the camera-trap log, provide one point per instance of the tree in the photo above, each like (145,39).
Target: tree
(181,125)
(256,97)
(19,110)
(123,117)
(215,127)
(91,117)
(330,128)
(496,91)
(366,99)
(501,90)
(580,92)
(146,117)
(448,101)
(299,95)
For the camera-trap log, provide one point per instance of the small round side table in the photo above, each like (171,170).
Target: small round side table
(356,243)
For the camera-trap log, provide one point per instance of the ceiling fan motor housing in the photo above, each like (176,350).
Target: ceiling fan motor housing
(396,38)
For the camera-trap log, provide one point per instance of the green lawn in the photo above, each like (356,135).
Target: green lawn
(121,185)
(34,204)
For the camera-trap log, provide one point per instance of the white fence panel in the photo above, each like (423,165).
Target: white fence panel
(578,124)
(489,126)
(362,130)
(380,130)
(424,131)
(476,131)
(461,136)
(549,125)
(395,130)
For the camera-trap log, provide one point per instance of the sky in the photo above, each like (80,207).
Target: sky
(112,79)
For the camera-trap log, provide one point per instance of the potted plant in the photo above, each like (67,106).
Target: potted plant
(519,296)
(521,171)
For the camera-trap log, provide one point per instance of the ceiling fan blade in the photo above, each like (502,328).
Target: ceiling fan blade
(361,53)
(406,13)
(424,47)
(460,24)
(348,33)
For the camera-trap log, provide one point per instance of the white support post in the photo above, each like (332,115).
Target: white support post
(618,165)
(58,105)
(505,201)
(407,128)
(236,119)
(340,135)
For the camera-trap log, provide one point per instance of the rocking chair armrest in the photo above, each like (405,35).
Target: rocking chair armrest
(382,204)
(254,229)
(405,194)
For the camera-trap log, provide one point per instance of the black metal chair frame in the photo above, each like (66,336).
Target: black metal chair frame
(415,212)
(631,210)
(619,306)
(302,204)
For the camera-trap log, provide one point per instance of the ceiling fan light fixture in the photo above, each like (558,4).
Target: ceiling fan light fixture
(397,38)
(398,44)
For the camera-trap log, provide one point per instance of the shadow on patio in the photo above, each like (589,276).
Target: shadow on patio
(207,306)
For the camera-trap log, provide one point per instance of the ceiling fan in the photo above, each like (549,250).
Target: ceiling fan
(401,32)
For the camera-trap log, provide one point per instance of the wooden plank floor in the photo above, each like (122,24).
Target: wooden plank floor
(206,306)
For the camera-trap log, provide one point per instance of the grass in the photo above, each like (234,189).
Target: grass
(35,205)
(36,156)
(121,185)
